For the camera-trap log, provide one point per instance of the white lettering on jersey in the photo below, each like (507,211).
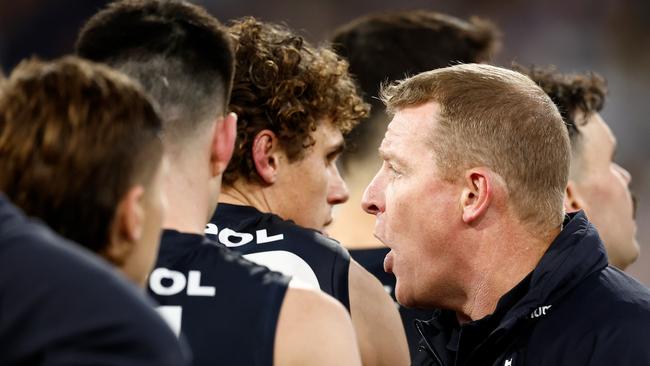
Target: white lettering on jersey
(225,234)
(508,362)
(194,287)
(179,283)
(159,274)
(263,237)
(211,229)
(540,311)
(172,315)
(289,264)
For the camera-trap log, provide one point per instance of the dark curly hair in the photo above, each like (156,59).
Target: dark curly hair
(286,85)
(571,93)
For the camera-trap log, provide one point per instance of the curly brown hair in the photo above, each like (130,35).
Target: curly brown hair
(571,93)
(286,85)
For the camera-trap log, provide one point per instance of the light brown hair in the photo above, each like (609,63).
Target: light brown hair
(74,137)
(500,119)
(286,85)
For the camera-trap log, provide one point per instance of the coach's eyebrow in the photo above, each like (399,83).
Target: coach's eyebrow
(383,154)
(394,159)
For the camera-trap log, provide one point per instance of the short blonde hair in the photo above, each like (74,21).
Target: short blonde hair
(500,119)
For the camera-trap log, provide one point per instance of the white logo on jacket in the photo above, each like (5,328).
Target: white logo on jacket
(540,311)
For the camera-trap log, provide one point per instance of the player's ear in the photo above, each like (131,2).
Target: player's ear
(476,195)
(572,199)
(265,152)
(127,227)
(223,143)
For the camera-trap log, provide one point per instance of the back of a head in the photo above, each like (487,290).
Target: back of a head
(390,46)
(74,137)
(178,52)
(575,95)
(285,85)
(499,119)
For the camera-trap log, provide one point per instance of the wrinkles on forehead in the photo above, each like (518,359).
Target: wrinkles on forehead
(394,147)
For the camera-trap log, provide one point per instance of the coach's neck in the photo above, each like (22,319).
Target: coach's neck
(508,256)
(498,247)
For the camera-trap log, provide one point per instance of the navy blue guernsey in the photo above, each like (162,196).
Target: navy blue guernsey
(226,306)
(308,256)
(62,305)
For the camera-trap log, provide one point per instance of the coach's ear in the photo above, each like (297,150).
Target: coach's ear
(266,150)
(477,194)
(127,226)
(223,143)
(572,199)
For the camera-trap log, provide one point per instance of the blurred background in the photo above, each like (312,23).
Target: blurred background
(607,36)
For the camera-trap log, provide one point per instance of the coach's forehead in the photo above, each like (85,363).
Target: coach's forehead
(410,128)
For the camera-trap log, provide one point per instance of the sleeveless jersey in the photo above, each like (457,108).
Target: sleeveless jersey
(226,306)
(62,305)
(308,256)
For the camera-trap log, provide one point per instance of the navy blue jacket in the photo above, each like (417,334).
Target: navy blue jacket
(267,239)
(226,306)
(61,305)
(572,309)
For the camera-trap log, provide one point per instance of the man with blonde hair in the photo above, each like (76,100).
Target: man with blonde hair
(485,154)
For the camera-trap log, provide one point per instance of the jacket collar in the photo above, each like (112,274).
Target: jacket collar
(575,253)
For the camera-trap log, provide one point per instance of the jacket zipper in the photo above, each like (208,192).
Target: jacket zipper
(428,347)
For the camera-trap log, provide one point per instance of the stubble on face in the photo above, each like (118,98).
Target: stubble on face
(415,208)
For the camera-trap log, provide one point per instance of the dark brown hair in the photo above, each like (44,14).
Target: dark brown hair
(180,54)
(572,93)
(499,119)
(389,46)
(284,84)
(74,137)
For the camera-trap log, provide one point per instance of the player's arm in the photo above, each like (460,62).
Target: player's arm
(314,329)
(379,328)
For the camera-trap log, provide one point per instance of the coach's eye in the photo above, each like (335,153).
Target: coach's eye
(394,172)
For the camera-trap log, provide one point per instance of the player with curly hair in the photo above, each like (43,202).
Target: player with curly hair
(596,184)
(231,311)
(295,103)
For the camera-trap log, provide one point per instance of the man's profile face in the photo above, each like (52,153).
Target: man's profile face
(417,212)
(311,186)
(603,187)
